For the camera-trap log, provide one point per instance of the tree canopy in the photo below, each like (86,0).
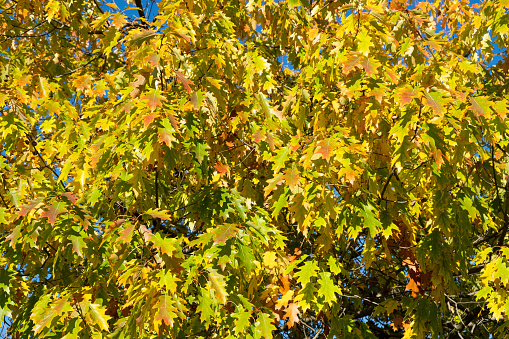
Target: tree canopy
(261,169)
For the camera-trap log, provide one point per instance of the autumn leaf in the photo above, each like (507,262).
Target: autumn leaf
(165,310)
(43,319)
(222,168)
(292,178)
(126,234)
(201,151)
(186,82)
(154,99)
(437,102)
(166,245)
(25,209)
(158,214)
(13,237)
(480,105)
(217,283)
(324,148)
(405,94)
(292,314)
(147,120)
(352,60)
(53,211)
(280,158)
(96,313)
(71,197)
(223,233)
(77,244)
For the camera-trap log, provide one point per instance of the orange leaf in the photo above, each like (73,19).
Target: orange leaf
(324,147)
(126,234)
(54,210)
(153,59)
(292,178)
(165,310)
(352,60)
(185,81)
(147,120)
(154,99)
(222,168)
(118,20)
(405,94)
(292,314)
(412,285)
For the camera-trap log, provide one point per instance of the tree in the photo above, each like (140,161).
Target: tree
(289,169)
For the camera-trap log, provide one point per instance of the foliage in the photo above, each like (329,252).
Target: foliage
(254,169)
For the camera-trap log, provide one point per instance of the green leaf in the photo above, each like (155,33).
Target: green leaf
(201,151)
(246,257)
(205,307)
(264,327)
(168,280)
(97,314)
(370,220)
(242,320)
(166,245)
(307,271)
(264,104)
(327,288)
(280,158)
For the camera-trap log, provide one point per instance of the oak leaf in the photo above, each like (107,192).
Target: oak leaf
(292,314)
(53,211)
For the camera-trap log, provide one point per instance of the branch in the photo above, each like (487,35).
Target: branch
(156,222)
(385,187)
(141,13)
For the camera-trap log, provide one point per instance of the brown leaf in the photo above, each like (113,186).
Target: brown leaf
(397,323)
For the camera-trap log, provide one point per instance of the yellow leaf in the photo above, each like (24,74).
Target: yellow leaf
(270,259)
